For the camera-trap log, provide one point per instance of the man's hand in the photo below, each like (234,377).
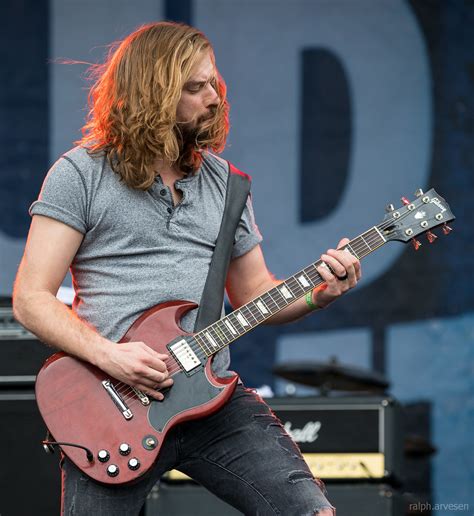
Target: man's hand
(138,365)
(344,276)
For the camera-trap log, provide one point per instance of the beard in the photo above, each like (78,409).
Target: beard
(195,135)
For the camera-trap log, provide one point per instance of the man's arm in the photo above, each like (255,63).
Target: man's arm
(248,277)
(49,251)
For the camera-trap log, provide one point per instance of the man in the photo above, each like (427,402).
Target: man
(134,210)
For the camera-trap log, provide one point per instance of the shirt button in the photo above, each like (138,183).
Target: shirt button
(163,192)
(169,210)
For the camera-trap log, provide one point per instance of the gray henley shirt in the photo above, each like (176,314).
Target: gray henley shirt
(139,249)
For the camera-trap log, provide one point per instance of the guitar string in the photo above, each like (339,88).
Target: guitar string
(367,239)
(357,246)
(358,249)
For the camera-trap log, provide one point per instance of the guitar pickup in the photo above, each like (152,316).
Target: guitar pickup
(184,355)
(119,403)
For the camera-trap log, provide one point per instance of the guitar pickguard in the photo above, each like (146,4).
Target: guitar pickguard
(187,392)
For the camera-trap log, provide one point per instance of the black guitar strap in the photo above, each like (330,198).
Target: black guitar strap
(210,308)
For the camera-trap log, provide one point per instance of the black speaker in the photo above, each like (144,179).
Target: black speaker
(29,478)
(366,499)
(184,499)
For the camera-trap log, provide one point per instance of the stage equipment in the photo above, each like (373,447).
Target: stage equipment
(21,353)
(332,376)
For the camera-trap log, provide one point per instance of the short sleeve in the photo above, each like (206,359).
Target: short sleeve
(247,235)
(63,196)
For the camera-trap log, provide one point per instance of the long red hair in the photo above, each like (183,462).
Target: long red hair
(133,101)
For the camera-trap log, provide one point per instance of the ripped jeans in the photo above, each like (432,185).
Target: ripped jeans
(240,453)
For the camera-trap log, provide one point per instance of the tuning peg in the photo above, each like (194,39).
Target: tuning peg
(431,237)
(446,229)
(416,244)
(389,208)
(405,201)
(419,192)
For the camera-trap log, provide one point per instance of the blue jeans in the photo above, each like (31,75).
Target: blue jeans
(240,453)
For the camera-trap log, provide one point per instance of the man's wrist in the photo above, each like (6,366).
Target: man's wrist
(310,302)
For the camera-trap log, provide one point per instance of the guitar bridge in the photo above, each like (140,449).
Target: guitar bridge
(120,404)
(144,399)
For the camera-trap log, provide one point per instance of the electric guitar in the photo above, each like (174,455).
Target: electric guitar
(114,432)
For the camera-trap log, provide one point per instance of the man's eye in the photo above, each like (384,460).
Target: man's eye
(195,88)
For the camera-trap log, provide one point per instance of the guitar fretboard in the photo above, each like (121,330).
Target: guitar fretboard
(221,333)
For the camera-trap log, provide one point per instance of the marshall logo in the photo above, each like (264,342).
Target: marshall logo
(307,434)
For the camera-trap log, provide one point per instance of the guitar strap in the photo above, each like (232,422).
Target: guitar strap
(210,308)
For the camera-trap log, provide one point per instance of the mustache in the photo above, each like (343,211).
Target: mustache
(193,133)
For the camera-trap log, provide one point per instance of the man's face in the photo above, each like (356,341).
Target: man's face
(199,99)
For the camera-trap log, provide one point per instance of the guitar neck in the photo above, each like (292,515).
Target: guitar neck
(221,333)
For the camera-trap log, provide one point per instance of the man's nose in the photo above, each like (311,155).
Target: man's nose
(212,97)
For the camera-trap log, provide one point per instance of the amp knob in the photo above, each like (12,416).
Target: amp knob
(134,464)
(124,449)
(112,470)
(103,455)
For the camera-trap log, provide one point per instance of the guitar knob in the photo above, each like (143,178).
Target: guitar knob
(103,455)
(124,449)
(389,208)
(113,470)
(419,192)
(405,201)
(416,244)
(133,463)
(431,237)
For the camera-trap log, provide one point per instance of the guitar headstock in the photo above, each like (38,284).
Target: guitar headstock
(428,211)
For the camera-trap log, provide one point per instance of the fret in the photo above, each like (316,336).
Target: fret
(249,315)
(285,292)
(303,281)
(232,330)
(236,323)
(314,275)
(207,349)
(255,311)
(348,246)
(278,298)
(242,320)
(380,234)
(220,331)
(363,239)
(269,302)
(212,331)
(296,286)
(210,338)
(261,306)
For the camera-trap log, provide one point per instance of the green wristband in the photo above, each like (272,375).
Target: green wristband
(309,300)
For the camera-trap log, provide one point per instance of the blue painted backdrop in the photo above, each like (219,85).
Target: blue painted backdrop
(337,109)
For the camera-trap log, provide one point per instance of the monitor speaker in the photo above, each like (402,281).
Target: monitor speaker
(29,479)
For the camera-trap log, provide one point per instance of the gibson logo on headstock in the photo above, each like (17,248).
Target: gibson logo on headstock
(307,434)
(438,203)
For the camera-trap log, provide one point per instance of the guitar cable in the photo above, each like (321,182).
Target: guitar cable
(49,445)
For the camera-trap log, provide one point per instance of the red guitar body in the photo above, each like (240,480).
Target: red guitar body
(79,409)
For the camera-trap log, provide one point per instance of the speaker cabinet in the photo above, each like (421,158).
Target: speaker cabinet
(185,498)
(29,478)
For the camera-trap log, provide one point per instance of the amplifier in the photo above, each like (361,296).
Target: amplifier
(29,479)
(183,499)
(343,438)
(350,437)
(21,353)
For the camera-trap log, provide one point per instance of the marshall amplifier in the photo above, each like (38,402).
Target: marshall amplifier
(351,437)
(342,438)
